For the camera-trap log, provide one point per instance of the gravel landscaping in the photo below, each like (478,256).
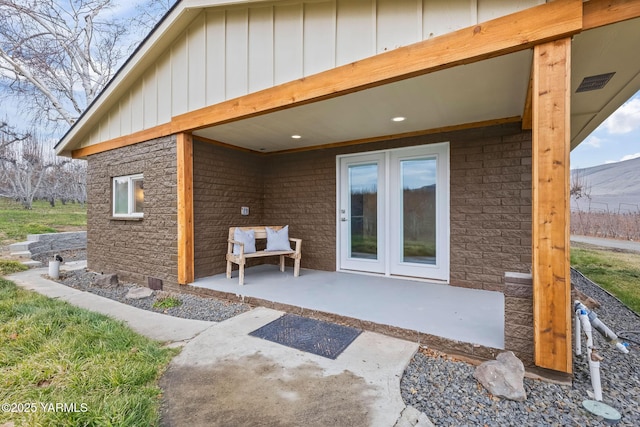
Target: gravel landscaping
(192,307)
(446,391)
(444,388)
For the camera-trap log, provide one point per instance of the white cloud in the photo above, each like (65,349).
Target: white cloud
(627,157)
(626,118)
(630,156)
(593,141)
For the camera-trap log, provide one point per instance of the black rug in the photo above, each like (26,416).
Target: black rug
(313,336)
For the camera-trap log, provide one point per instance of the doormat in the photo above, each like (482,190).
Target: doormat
(313,336)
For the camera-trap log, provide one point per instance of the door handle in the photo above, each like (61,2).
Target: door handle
(343,219)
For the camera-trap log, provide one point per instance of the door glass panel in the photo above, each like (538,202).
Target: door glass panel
(418,177)
(363,195)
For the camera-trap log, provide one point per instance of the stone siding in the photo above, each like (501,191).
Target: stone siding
(300,190)
(224,180)
(490,204)
(49,244)
(490,201)
(134,249)
(518,316)
(490,210)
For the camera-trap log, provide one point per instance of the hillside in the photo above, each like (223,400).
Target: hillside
(614,187)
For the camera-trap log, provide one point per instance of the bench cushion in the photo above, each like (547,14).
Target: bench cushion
(247,237)
(278,240)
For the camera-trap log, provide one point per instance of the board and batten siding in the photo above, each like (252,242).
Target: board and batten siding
(228,52)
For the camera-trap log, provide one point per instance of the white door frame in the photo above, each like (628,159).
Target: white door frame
(389,211)
(345,260)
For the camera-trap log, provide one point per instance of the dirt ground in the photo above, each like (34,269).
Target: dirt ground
(255,391)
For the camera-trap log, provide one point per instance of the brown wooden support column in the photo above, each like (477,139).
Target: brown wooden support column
(184,149)
(550,168)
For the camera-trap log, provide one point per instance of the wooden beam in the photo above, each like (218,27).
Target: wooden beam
(507,34)
(122,141)
(598,13)
(527,113)
(184,152)
(511,33)
(550,200)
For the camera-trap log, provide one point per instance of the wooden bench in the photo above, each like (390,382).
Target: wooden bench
(260,233)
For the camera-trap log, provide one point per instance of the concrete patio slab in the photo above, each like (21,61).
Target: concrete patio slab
(466,315)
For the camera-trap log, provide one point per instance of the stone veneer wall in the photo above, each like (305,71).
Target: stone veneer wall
(490,209)
(300,190)
(490,201)
(134,249)
(490,204)
(518,316)
(224,180)
(48,244)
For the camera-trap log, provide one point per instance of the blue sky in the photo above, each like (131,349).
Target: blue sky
(616,139)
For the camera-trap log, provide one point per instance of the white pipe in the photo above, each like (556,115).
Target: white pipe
(594,369)
(599,326)
(594,364)
(578,337)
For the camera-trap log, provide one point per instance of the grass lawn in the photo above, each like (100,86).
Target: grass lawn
(16,222)
(617,272)
(65,366)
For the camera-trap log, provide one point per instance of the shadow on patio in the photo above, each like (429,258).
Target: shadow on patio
(459,314)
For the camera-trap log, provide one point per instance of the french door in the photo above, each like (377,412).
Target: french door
(393,212)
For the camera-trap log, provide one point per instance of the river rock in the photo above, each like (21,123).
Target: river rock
(139,293)
(503,377)
(108,281)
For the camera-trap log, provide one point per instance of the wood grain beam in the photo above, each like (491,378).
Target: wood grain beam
(527,111)
(511,33)
(598,13)
(550,200)
(184,152)
(123,141)
(507,34)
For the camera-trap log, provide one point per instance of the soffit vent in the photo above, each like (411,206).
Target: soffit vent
(594,82)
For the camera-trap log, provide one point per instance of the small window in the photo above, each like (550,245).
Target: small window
(128,196)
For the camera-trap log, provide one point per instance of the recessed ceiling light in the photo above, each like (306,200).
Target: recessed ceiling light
(399,119)
(296,136)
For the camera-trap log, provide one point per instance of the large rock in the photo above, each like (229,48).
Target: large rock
(503,377)
(106,281)
(411,417)
(139,293)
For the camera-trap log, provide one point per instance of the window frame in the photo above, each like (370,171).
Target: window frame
(130,196)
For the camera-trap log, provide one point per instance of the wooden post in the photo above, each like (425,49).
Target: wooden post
(184,149)
(550,199)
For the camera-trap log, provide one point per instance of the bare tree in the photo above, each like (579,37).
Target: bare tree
(580,187)
(23,165)
(149,14)
(57,55)
(65,182)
